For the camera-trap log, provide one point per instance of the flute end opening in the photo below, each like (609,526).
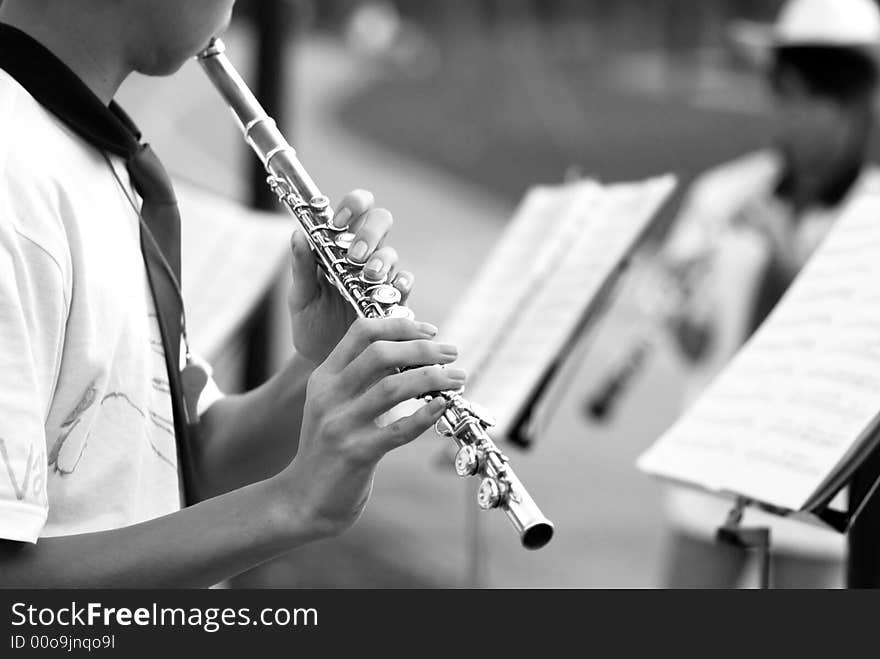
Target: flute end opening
(537,535)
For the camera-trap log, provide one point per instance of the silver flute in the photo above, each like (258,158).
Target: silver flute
(463,421)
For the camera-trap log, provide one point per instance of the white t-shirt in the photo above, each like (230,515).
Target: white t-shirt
(86,428)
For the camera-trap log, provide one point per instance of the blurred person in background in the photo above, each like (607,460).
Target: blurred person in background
(746,229)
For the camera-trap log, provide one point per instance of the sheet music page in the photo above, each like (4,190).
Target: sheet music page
(231,256)
(563,245)
(792,403)
(519,261)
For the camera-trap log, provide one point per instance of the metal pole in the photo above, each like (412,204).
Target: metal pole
(765,559)
(274,20)
(476,550)
(863,561)
(754,539)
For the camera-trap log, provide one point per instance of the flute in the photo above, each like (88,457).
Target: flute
(465,423)
(660,301)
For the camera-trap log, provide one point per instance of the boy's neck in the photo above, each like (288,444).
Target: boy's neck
(82,43)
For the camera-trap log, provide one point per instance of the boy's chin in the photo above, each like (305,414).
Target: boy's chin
(165,69)
(168,65)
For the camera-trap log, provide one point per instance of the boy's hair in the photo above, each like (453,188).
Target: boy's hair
(844,75)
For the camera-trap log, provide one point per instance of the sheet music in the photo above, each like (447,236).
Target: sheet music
(518,262)
(794,402)
(561,248)
(231,256)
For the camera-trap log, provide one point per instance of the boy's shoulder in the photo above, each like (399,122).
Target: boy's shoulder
(43,167)
(20,114)
(34,145)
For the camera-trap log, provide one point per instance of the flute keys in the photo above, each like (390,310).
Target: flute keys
(490,494)
(320,205)
(366,279)
(442,427)
(467,461)
(385,295)
(483,415)
(344,240)
(399,311)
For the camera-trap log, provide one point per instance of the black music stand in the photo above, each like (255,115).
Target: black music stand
(861,522)
(524,428)
(863,560)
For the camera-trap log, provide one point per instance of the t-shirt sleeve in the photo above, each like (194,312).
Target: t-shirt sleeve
(33,311)
(211,392)
(210,395)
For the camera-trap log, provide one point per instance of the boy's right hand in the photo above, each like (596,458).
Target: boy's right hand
(329,481)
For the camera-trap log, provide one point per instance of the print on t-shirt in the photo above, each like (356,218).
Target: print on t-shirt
(31,482)
(67,443)
(114,417)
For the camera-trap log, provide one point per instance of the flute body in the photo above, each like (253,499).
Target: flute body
(463,422)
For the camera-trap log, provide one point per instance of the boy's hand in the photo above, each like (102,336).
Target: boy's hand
(319,315)
(329,481)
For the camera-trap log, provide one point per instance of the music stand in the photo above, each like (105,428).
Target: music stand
(863,563)
(526,426)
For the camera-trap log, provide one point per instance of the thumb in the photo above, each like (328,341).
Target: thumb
(304,271)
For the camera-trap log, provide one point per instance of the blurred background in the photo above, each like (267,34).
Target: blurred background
(449,111)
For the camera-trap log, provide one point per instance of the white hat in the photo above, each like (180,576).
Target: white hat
(836,23)
(833,23)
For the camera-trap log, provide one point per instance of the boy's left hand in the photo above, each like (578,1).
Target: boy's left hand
(319,315)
